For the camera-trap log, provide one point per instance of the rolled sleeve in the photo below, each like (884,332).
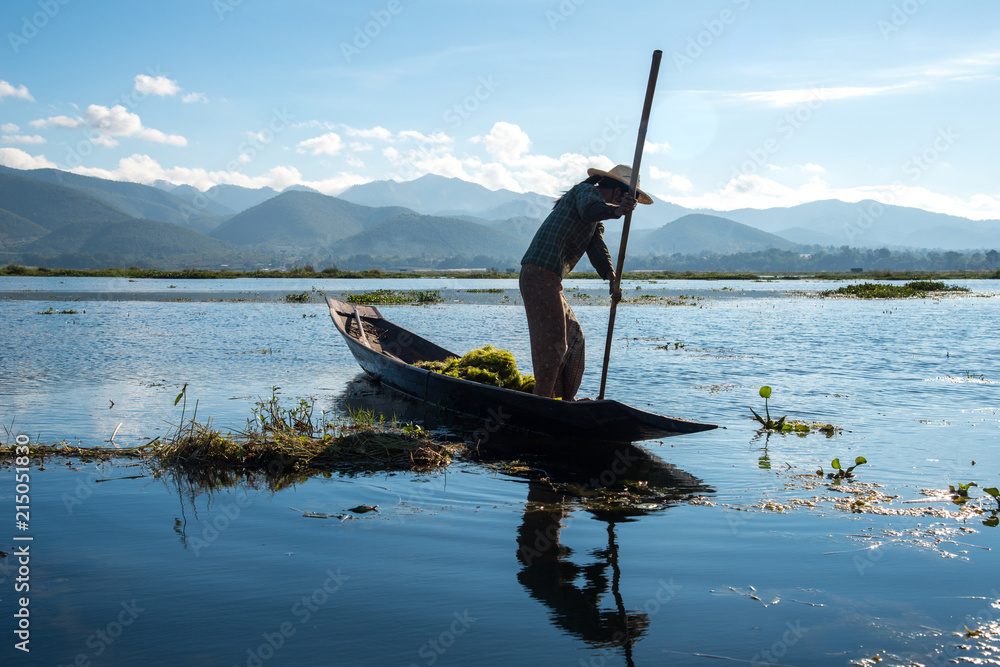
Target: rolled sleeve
(597,252)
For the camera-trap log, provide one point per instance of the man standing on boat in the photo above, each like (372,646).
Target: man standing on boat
(573,227)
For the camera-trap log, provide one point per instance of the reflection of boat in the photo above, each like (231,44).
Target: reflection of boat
(387,352)
(614,483)
(582,591)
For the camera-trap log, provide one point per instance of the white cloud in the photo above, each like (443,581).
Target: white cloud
(156,85)
(782,98)
(325,144)
(15,158)
(58,121)
(192,98)
(506,142)
(415,163)
(260,137)
(377,132)
(9,128)
(654,148)
(22,139)
(508,165)
(809,167)
(140,168)
(315,124)
(673,181)
(336,184)
(109,123)
(495,176)
(9,90)
(436,139)
(119,122)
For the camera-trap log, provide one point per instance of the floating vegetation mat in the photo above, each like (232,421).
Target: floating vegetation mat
(935,523)
(802,428)
(386,297)
(278,447)
(914,289)
(662,300)
(487,365)
(655,486)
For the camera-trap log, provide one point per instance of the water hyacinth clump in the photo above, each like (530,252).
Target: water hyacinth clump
(486,365)
(913,289)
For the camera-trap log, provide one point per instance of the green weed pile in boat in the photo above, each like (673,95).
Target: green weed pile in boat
(487,365)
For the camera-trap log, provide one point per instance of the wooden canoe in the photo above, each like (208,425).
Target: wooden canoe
(387,352)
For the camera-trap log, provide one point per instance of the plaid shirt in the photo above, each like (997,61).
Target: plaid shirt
(572,228)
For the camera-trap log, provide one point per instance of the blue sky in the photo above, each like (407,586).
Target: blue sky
(758,103)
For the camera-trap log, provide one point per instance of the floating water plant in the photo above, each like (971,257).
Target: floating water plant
(278,447)
(916,288)
(801,428)
(486,365)
(385,297)
(287,444)
(53,311)
(301,297)
(994,520)
(768,423)
(960,493)
(784,425)
(842,473)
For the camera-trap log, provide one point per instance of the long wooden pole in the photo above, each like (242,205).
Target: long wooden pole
(640,142)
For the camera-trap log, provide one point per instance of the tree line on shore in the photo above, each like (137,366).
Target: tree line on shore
(837,260)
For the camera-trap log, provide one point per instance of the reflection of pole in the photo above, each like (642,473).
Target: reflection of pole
(615,578)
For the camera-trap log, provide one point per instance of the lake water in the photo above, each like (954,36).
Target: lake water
(742,553)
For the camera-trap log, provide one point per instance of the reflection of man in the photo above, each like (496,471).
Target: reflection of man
(554,580)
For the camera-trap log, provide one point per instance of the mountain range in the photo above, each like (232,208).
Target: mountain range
(56,217)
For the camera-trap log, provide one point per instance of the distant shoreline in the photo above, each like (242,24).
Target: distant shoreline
(205,274)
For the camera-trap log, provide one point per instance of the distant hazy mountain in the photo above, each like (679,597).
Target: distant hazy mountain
(35,202)
(869,224)
(414,235)
(439,195)
(699,233)
(134,199)
(51,205)
(200,202)
(222,199)
(239,198)
(15,228)
(138,239)
(520,227)
(300,188)
(804,236)
(301,219)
